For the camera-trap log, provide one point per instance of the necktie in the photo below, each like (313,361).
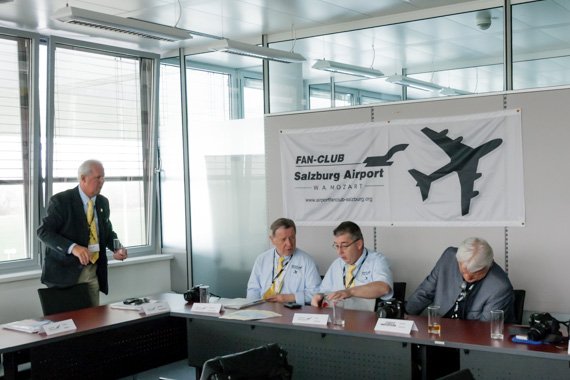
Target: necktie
(272,290)
(92,230)
(348,283)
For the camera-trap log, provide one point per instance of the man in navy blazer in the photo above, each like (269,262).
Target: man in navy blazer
(466,283)
(65,232)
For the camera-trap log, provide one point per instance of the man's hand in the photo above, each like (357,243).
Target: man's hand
(317,300)
(340,294)
(120,254)
(82,253)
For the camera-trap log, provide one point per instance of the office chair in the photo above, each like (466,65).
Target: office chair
(59,300)
(267,362)
(519,305)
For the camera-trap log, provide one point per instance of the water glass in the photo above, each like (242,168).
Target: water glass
(497,323)
(434,324)
(338,312)
(204,294)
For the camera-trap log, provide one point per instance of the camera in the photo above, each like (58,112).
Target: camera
(193,295)
(391,308)
(544,327)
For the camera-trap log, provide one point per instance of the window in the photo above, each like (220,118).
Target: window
(16,147)
(103,110)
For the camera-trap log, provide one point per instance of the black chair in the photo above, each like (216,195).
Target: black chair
(59,300)
(463,374)
(268,362)
(519,305)
(400,291)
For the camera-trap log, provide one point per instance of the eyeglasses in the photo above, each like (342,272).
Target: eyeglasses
(343,245)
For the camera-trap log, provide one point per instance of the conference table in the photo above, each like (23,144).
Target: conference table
(111,343)
(108,343)
(357,351)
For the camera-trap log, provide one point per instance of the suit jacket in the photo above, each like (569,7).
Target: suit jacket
(443,285)
(65,224)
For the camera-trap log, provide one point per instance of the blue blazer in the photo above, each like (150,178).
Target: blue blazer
(443,285)
(65,224)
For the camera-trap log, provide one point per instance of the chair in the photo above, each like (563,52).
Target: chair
(400,291)
(463,374)
(59,300)
(519,305)
(265,362)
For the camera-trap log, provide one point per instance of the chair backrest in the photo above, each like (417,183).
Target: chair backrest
(264,362)
(519,305)
(462,374)
(400,291)
(59,300)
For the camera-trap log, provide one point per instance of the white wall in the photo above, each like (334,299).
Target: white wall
(537,253)
(135,277)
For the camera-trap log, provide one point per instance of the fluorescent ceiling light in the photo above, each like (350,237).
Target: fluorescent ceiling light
(84,17)
(345,68)
(423,85)
(240,48)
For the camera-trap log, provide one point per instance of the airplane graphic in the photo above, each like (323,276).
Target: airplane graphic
(463,160)
(383,160)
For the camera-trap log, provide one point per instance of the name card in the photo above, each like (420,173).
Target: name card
(208,308)
(155,308)
(59,327)
(398,326)
(311,319)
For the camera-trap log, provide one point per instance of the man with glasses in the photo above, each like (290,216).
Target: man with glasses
(357,272)
(466,283)
(283,273)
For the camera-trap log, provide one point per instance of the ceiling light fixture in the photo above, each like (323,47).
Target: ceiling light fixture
(84,17)
(425,86)
(345,68)
(234,47)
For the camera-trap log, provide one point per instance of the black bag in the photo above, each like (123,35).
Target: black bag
(268,362)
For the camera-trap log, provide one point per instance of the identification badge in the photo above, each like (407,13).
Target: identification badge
(93,247)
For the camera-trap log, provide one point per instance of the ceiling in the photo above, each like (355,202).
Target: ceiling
(452,50)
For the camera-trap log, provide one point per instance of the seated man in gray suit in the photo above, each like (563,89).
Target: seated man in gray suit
(466,283)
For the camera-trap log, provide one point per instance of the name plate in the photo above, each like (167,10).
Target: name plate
(398,326)
(311,319)
(208,308)
(155,308)
(59,327)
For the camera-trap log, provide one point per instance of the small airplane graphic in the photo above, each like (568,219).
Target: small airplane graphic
(464,161)
(383,160)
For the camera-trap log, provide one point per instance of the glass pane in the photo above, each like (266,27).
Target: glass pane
(98,113)
(227,182)
(540,40)
(252,98)
(453,55)
(14,145)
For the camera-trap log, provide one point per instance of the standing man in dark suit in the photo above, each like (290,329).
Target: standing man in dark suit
(77,231)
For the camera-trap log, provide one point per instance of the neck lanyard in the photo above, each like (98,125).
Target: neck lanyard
(275,277)
(355,274)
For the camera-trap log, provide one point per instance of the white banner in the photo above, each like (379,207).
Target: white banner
(462,170)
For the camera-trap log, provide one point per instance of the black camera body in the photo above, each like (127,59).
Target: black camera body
(544,327)
(391,308)
(193,295)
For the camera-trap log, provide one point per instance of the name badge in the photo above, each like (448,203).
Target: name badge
(93,247)
(398,326)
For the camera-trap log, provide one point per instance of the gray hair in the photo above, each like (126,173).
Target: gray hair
(87,167)
(475,253)
(282,222)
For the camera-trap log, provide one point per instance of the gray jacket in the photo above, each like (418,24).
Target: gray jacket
(443,285)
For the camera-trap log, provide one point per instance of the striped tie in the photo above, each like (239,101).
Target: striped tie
(348,283)
(271,291)
(92,230)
